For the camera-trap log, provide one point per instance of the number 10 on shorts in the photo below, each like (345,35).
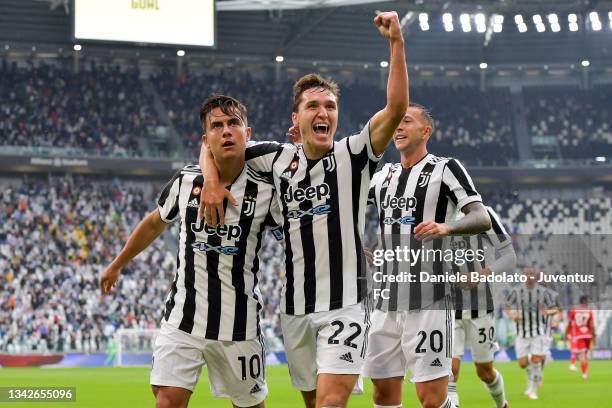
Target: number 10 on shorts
(254,366)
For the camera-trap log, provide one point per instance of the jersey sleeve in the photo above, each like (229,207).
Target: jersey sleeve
(497,234)
(460,188)
(261,155)
(274,220)
(361,141)
(372,191)
(168,201)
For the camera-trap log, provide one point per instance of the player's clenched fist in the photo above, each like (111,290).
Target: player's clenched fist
(388,25)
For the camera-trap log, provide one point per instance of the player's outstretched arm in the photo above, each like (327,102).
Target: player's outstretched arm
(384,122)
(213,193)
(145,233)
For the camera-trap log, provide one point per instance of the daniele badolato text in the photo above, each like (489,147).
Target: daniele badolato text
(404,256)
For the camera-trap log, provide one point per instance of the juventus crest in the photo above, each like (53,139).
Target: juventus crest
(424,178)
(329,163)
(248,205)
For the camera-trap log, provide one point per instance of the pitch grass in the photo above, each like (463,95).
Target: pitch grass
(129,388)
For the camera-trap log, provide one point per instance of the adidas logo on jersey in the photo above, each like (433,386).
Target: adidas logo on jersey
(436,363)
(347,357)
(193,203)
(255,389)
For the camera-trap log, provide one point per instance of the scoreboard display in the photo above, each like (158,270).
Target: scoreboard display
(176,22)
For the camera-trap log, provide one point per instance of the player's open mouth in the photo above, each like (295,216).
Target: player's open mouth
(228,143)
(400,137)
(321,128)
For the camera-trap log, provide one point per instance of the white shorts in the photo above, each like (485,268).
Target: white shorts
(531,345)
(331,342)
(420,341)
(477,334)
(235,368)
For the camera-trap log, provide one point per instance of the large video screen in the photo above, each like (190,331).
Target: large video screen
(180,22)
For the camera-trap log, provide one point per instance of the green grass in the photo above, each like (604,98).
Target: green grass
(129,388)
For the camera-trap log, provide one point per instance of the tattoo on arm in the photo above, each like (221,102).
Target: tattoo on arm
(476,220)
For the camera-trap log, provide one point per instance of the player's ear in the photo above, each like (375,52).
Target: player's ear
(294,118)
(205,140)
(248,134)
(427,132)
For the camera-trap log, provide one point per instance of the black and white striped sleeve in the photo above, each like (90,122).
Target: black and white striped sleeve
(460,187)
(168,201)
(261,155)
(372,191)
(360,141)
(497,233)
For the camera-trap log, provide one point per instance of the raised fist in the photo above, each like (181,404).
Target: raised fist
(387,23)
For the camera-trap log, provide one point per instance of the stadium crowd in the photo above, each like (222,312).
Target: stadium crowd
(268,103)
(581,122)
(104,110)
(101,109)
(56,238)
(473,126)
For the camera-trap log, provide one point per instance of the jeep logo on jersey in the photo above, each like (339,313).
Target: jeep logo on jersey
(248,206)
(320,192)
(223,231)
(424,178)
(399,203)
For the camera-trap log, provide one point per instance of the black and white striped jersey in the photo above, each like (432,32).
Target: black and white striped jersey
(433,189)
(323,204)
(478,301)
(529,304)
(215,293)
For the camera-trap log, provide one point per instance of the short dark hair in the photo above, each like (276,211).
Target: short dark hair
(228,105)
(584,299)
(425,113)
(310,81)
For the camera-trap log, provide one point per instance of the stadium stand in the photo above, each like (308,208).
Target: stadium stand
(55,240)
(99,111)
(581,122)
(114,113)
(182,97)
(473,126)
